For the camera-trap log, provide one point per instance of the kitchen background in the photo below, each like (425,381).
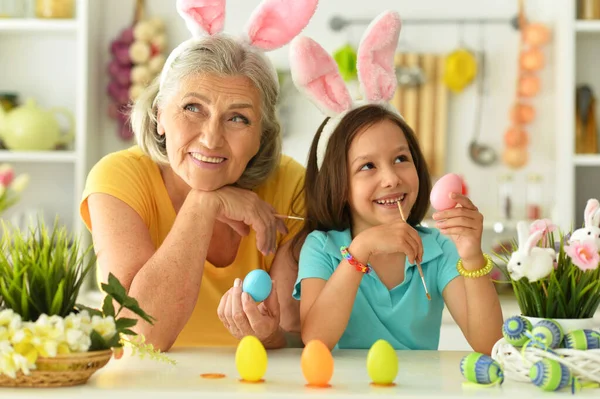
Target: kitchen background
(461,73)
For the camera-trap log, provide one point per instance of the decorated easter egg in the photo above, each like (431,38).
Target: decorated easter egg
(514,330)
(440,193)
(582,340)
(258,284)
(382,363)
(316,363)
(251,359)
(481,369)
(550,375)
(549,332)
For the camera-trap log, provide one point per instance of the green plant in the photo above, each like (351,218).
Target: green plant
(568,292)
(42,270)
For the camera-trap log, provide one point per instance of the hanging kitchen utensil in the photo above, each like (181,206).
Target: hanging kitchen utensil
(481,154)
(461,66)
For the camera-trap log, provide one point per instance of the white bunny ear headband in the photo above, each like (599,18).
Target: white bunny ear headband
(273,24)
(316,74)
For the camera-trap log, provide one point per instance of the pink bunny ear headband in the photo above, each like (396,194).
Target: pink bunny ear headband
(273,24)
(316,74)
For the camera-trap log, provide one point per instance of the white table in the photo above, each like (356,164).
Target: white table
(422,374)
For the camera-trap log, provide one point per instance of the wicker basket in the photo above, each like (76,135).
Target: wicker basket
(584,364)
(60,371)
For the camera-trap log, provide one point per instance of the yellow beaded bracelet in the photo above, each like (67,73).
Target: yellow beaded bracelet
(489,265)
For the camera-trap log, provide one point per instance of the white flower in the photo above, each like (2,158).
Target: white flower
(77,340)
(11,362)
(10,319)
(104,326)
(81,321)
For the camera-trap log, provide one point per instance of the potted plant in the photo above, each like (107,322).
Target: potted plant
(556,275)
(46,338)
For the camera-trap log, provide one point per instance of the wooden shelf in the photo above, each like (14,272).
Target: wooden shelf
(587,26)
(37,25)
(587,160)
(38,156)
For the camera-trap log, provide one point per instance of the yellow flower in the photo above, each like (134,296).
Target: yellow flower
(10,320)
(12,362)
(20,183)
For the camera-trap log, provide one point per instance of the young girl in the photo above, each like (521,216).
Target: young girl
(357,279)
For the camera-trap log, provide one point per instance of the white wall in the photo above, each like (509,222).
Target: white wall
(501,45)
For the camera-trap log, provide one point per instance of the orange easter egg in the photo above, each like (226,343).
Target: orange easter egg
(536,34)
(317,364)
(522,114)
(515,137)
(532,60)
(529,85)
(515,157)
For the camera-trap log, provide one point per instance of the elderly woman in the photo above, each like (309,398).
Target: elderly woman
(182,217)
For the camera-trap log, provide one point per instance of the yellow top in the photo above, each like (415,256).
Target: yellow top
(135,179)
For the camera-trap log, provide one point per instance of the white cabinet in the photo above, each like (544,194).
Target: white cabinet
(577,57)
(54,62)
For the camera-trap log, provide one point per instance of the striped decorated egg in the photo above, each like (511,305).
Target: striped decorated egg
(481,369)
(549,332)
(582,340)
(514,329)
(550,375)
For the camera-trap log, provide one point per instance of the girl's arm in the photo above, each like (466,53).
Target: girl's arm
(326,306)
(165,281)
(474,305)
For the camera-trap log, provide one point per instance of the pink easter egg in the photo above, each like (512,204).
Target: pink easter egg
(127,36)
(440,193)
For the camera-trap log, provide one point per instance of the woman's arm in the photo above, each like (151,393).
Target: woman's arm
(165,281)
(474,305)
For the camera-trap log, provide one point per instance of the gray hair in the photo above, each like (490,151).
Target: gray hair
(218,54)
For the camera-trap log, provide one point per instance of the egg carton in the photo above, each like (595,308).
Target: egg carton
(516,362)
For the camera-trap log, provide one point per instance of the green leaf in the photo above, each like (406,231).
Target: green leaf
(115,289)
(108,308)
(128,332)
(91,311)
(123,323)
(98,343)
(58,300)
(132,304)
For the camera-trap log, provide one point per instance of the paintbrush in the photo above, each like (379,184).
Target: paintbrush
(288,217)
(416,261)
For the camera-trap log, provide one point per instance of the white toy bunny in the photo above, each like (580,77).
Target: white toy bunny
(591,231)
(529,260)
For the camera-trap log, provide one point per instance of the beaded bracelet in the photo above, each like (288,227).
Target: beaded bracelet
(489,265)
(357,265)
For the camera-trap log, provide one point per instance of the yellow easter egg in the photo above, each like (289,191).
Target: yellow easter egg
(251,359)
(382,363)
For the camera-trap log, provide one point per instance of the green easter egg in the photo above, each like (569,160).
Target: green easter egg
(481,369)
(550,375)
(549,332)
(582,340)
(514,330)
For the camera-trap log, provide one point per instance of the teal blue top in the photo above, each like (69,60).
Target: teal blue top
(402,316)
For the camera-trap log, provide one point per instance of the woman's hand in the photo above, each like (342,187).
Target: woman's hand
(464,225)
(242,209)
(395,237)
(242,316)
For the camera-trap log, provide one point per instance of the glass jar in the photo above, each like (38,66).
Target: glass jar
(505,196)
(12,8)
(534,197)
(55,8)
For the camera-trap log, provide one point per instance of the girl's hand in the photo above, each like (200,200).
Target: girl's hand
(395,237)
(241,209)
(464,225)
(242,316)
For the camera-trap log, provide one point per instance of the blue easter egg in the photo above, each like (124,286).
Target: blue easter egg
(481,369)
(258,284)
(550,375)
(549,332)
(514,330)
